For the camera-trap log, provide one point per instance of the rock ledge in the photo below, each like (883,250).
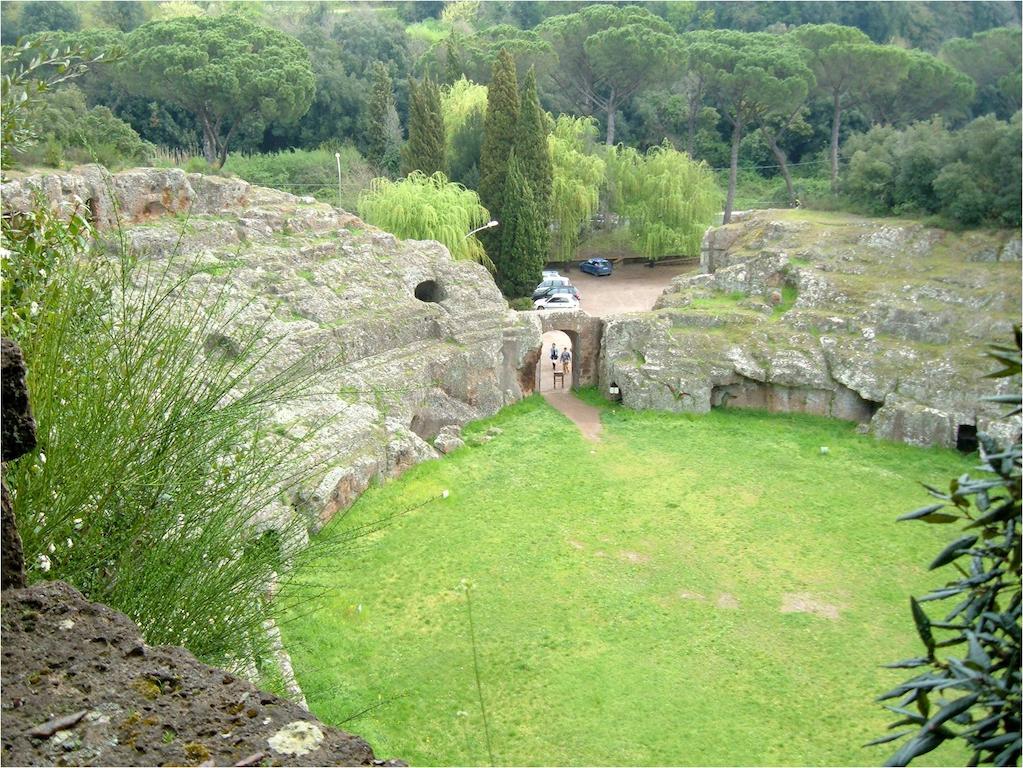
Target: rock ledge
(81,688)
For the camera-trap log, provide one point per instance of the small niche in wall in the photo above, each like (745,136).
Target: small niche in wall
(430,291)
(966,438)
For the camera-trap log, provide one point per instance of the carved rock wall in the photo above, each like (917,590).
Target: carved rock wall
(408,340)
(876,321)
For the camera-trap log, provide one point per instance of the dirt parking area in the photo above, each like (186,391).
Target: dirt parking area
(630,288)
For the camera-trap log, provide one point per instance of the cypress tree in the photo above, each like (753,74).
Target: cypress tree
(523,250)
(533,153)
(381,102)
(453,69)
(499,127)
(425,148)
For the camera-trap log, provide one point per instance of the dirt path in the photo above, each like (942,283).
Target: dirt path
(585,416)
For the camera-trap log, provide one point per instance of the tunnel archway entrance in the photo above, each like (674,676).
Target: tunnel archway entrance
(547,367)
(584,334)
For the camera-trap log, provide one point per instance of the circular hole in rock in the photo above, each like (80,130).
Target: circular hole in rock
(430,290)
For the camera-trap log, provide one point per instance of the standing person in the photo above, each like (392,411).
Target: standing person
(554,355)
(566,361)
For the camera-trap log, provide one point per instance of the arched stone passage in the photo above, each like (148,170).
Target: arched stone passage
(545,365)
(585,334)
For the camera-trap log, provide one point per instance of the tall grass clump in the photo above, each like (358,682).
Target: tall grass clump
(154,462)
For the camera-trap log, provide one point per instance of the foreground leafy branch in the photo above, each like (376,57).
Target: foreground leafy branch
(30,70)
(973,696)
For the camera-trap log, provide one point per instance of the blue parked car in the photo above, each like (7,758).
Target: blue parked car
(596,266)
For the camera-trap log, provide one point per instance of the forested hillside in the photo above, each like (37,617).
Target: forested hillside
(874,107)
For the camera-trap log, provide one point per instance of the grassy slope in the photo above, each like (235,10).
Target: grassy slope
(579,553)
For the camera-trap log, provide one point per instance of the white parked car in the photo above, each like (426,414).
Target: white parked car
(557,301)
(544,288)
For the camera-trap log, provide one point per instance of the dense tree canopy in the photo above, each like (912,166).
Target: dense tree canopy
(124,15)
(383,132)
(531,148)
(930,87)
(992,60)
(578,175)
(668,199)
(751,77)
(225,70)
(40,17)
(523,236)
(499,132)
(606,55)
(665,69)
(464,105)
(972,176)
(848,68)
(341,98)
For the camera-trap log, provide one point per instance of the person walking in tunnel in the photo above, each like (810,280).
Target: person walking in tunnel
(554,356)
(566,361)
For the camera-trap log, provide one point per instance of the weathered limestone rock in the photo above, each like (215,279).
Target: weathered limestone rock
(449,439)
(80,687)
(886,328)
(405,340)
(913,423)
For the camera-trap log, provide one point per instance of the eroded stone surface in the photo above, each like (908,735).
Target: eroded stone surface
(405,340)
(883,324)
(80,674)
(18,428)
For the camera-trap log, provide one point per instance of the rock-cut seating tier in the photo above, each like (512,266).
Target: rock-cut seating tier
(411,340)
(882,322)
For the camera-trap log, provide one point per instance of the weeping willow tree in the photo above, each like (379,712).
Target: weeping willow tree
(422,207)
(578,176)
(463,106)
(668,199)
(458,101)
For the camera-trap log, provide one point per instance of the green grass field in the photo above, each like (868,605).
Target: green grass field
(627,595)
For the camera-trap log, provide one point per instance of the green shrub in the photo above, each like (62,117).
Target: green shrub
(755,191)
(40,246)
(53,151)
(77,134)
(969,177)
(307,172)
(197,164)
(153,461)
(31,70)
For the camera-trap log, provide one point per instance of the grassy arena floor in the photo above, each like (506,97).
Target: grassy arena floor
(627,594)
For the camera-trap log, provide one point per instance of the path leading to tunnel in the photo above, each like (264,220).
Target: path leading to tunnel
(583,415)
